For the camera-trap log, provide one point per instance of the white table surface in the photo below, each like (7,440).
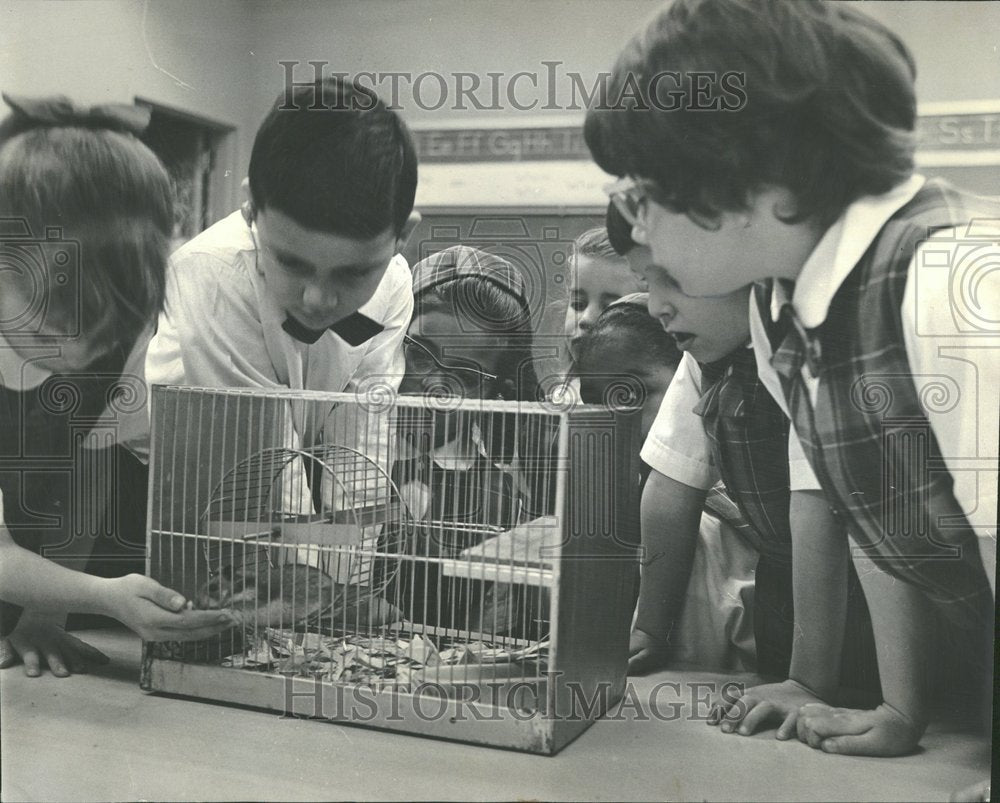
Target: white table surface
(99,737)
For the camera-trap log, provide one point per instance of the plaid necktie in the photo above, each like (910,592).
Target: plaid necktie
(793,344)
(713,385)
(792,347)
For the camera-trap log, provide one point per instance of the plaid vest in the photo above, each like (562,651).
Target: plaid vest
(868,438)
(748,434)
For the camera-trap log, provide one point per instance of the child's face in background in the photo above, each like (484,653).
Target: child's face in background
(595,283)
(708,328)
(455,343)
(317,277)
(629,370)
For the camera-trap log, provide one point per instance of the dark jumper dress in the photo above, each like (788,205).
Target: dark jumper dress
(748,434)
(48,499)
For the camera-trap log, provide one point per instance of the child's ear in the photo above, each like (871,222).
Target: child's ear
(408,228)
(247,208)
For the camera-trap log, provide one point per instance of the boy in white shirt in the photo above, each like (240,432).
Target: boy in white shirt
(304,287)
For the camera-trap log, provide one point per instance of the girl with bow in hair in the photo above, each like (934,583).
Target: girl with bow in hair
(86,217)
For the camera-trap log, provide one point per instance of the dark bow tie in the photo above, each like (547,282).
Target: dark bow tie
(354,329)
(58,110)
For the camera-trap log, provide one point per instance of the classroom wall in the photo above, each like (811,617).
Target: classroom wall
(220,59)
(185,54)
(954,44)
(446,37)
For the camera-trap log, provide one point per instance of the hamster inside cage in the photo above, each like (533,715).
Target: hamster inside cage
(460,569)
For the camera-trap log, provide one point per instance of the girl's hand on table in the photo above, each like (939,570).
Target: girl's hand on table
(746,711)
(883,731)
(39,641)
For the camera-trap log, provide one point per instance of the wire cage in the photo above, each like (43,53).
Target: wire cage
(456,568)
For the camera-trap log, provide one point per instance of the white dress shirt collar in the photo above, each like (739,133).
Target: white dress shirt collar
(839,250)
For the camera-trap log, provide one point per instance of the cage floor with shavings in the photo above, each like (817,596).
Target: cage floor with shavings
(402,659)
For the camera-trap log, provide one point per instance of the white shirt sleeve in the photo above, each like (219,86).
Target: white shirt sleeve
(202,336)
(210,331)
(677,445)
(951,328)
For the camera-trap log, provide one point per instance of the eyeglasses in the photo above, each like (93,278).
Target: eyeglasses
(631,197)
(422,358)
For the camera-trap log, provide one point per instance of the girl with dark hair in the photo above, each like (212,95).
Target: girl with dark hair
(644,358)
(87,217)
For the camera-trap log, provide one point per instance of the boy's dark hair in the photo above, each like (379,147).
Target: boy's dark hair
(630,321)
(332,157)
(594,243)
(619,231)
(828,107)
(111,197)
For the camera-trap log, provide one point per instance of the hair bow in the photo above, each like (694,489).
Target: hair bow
(59,110)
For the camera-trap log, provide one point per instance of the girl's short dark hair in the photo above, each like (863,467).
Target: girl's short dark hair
(108,196)
(632,321)
(822,101)
(335,159)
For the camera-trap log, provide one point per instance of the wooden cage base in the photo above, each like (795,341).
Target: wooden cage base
(502,712)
